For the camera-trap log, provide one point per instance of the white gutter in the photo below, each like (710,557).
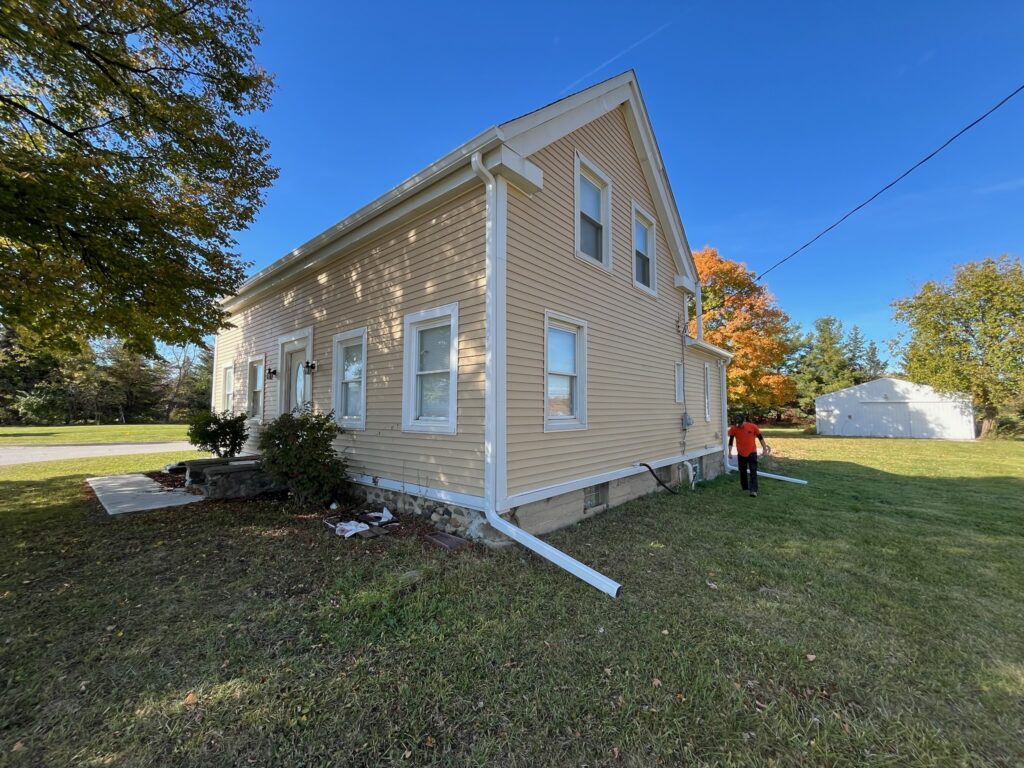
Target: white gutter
(545,550)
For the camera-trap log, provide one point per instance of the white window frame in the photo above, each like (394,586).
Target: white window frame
(579,421)
(227,394)
(282,342)
(583,165)
(340,342)
(643,216)
(262,361)
(680,383)
(707,392)
(414,323)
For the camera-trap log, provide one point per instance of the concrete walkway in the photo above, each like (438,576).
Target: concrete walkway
(136,493)
(25,454)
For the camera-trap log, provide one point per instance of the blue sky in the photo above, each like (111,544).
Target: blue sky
(773,118)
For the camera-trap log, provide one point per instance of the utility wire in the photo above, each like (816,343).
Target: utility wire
(884,189)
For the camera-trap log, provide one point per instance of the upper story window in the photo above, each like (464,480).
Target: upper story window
(565,372)
(255,407)
(227,392)
(645,262)
(431,370)
(350,378)
(593,213)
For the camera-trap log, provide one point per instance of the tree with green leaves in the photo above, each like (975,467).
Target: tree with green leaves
(823,364)
(125,166)
(872,367)
(967,334)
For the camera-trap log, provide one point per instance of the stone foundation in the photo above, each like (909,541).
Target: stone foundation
(538,517)
(450,518)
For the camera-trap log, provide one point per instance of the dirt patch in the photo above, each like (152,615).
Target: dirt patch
(166,479)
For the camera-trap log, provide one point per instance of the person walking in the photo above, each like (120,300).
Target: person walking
(745,433)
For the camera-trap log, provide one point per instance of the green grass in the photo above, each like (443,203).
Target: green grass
(104,433)
(234,634)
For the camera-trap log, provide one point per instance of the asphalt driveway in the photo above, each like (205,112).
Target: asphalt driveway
(25,454)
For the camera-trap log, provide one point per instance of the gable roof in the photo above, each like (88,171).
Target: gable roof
(886,385)
(506,146)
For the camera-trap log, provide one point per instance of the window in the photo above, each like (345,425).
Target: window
(595,496)
(227,392)
(350,378)
(295,371)
(680,383)
(645,262)
(431,370)
(707,392)
(255,409)
(593,213)
(565,373)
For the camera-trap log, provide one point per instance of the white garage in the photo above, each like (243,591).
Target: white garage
(894,408)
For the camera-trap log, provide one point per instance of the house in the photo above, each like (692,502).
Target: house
(894,408)
(501,335)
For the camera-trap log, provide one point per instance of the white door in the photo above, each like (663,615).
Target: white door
(295,379)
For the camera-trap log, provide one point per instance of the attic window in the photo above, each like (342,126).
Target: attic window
(593,213)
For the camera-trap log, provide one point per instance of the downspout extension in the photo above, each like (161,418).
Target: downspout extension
(517,534)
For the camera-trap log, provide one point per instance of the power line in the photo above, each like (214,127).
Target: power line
(884,189)
(892,183)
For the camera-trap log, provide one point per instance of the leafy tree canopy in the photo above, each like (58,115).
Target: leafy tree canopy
(967,335)
(740,315)
(124,168)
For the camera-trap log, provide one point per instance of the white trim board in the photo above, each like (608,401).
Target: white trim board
(549,491)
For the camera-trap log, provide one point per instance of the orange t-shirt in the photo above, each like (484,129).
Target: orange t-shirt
(746,436)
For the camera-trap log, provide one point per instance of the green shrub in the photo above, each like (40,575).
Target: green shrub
(298,452)
(222,434)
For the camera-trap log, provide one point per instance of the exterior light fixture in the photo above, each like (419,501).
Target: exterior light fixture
(310,366)
(271,374)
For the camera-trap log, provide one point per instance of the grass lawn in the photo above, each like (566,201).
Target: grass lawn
(104,433)
(874,617)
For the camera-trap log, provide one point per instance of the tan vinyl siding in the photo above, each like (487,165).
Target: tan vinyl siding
(633,342)
(434,260)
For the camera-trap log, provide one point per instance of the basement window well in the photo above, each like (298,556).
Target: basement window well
(595,497)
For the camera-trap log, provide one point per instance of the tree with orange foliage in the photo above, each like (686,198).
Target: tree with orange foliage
(742,316)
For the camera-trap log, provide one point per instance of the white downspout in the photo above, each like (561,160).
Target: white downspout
(725,416)
(545,550)
(700,313)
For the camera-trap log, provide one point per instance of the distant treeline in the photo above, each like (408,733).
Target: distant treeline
(99,383)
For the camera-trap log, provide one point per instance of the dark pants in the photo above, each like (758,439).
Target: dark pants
(745,463)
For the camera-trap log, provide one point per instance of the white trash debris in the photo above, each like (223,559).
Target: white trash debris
(348,528)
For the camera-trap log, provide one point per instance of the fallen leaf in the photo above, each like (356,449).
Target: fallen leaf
(407,755)
(712,584)
(607,670)
(811,657)
(680,697)
(656,683)
(664,631)
(615,753)
(430,742)
(19,746)
(191,699)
